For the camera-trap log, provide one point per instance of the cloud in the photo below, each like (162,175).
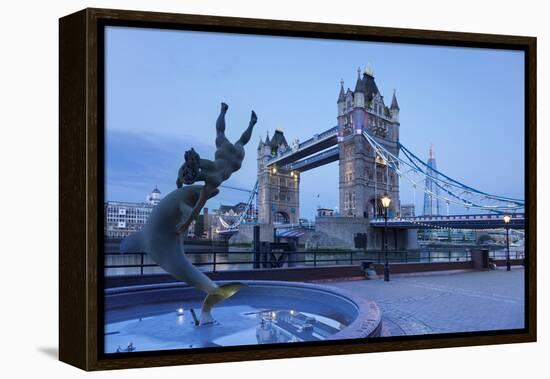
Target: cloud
(137,162)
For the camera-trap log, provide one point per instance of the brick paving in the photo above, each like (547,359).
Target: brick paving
(446,302)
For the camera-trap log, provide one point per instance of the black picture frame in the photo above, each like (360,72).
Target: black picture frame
(81,196)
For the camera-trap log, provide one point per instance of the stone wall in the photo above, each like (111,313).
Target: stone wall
(343,228)
(246,234)
(337,232)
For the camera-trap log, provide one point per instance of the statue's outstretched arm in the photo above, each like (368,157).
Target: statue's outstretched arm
(220,127)
(245,137)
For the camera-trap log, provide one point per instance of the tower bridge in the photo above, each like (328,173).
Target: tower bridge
(363,175)
(372,163)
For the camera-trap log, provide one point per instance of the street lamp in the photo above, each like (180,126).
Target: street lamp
(507,219)
(386,204)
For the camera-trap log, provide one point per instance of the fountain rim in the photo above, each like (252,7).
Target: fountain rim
(367,323)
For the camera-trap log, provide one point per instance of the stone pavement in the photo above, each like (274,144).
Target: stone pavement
(446,302)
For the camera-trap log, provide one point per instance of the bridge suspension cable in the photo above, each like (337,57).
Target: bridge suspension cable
(240,189)
(248,210)
(415,170)
(413,158)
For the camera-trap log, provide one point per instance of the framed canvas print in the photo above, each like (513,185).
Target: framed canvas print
(238,189)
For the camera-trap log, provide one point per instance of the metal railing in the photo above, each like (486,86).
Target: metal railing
(213,261)
(454,217)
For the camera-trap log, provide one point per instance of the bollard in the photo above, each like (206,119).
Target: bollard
(368,269)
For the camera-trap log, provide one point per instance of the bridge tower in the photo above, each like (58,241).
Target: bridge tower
(365,177)
(278,197)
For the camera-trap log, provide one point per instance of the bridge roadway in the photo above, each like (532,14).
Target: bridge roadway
(317,160)
(319,142)
(317,151)
(474,221)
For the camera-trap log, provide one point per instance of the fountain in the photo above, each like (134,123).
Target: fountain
(160,316)
(163,316)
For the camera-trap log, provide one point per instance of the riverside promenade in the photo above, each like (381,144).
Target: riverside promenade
(445,302)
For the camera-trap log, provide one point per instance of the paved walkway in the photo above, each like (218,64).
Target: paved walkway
(446,303)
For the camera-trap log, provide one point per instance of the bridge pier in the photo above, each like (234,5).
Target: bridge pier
(412,239)
(246,233)
(342,228)
(346,228)
(398,239)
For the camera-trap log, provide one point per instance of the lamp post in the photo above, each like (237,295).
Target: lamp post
(507,219)
(386,204)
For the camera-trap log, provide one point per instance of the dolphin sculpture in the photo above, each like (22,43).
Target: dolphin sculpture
(163,234)
(160,241)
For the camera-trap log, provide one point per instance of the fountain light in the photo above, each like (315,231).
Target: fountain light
(181,311)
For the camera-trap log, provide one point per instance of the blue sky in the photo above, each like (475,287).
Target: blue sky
(164,88)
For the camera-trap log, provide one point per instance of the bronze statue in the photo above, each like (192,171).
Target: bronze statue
(162,237)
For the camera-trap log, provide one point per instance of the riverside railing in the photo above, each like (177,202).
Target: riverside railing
(212,261)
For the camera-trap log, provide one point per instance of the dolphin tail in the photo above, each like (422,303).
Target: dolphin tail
(223,292)
(132,244)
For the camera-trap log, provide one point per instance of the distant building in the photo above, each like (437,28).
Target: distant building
(206,221)
(154,197)
(325,212)
(408,210)
(432,206)
(124,218)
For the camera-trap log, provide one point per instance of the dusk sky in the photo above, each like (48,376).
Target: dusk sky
(164,88)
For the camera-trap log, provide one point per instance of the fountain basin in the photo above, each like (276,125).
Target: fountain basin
(158,316)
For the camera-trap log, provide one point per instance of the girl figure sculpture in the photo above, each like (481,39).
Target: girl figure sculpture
(162,237)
